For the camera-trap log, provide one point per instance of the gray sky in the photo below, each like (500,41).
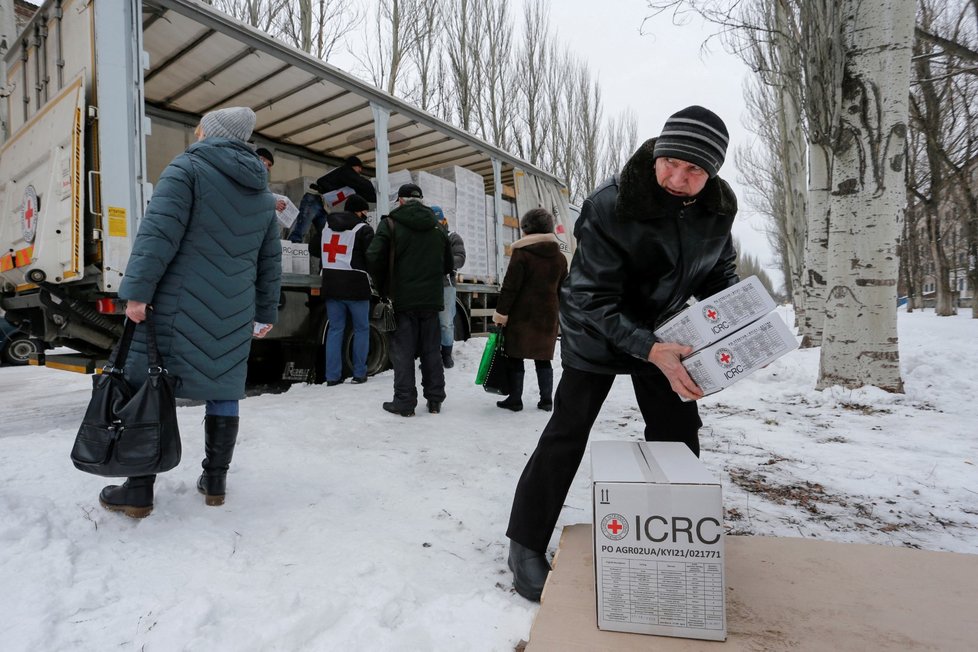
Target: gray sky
(655,74)
(660,72)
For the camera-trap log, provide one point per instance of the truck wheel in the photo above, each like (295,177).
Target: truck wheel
(378,359)
(265,364)
(19,348)
(461,323)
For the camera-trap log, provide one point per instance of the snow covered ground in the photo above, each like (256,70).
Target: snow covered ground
(349,528)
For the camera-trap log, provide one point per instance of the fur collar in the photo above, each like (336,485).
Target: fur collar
(534,238)
(641,198)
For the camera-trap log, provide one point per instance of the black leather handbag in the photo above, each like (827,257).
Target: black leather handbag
(126,431)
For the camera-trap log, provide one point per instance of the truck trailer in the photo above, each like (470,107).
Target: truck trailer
(100,95)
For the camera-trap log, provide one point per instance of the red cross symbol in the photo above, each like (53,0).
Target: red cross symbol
(615,526)
(333,248)
(29,214)
(711,314)
(724,358)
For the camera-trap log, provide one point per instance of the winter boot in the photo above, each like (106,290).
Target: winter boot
(530,569)
(220,435)
(134,497)
(446,357)
(545,379)
(514,401)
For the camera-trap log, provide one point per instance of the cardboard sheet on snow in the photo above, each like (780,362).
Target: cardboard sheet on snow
(787,594)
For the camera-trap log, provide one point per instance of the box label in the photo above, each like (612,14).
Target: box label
(718,316)
(658,551)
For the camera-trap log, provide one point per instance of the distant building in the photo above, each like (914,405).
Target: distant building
(23,12)
(955,215)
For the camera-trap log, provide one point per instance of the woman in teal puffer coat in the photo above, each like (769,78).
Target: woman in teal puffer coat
(207,260)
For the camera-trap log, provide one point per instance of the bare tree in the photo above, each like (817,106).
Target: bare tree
(588,111)
(394,37)
(463,43)
(777,170)
(531,77)
(495,108)
(317,26)
(261,14)
(620,142)
(426,55)
(859,345)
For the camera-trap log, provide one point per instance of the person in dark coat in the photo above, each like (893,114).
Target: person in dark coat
(207,260)
(346,287)
(647,241)
(446,318)
(528,307)
(408,259)
(313,207)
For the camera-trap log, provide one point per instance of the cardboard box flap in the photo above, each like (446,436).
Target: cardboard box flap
(656,462)
(621,461)
(675,462)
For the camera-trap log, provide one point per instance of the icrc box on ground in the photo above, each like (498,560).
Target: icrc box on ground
(658,541)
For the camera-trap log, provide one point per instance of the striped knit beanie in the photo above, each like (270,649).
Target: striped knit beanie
(695,135)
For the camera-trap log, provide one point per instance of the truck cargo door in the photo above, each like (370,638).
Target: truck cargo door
(43,193)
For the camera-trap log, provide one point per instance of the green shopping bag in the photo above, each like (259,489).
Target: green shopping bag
(492,368)
(493,342)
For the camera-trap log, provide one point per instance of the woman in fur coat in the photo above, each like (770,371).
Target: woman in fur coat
(528,306)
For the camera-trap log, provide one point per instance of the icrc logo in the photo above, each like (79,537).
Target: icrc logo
(711,314)
(614,527)
(724,358)
(29,210)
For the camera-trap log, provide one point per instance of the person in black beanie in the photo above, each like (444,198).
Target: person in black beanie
(648,239)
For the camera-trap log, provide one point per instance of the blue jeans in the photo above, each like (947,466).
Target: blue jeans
(336,311)
(221,408)
(311,211)
(446,318)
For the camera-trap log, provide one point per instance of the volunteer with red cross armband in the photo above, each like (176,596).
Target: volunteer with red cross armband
(346,287)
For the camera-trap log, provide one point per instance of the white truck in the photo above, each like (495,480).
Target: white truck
(100,95)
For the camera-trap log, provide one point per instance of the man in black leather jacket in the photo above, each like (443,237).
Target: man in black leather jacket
(647,241)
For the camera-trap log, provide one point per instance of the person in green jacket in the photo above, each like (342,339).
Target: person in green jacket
(408,259)
(207,260)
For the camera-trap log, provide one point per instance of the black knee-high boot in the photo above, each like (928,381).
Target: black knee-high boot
(545,378)
(134,497)
(220,435)
(514,371)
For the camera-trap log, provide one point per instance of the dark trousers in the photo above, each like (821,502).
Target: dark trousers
(418,334)
(547,477)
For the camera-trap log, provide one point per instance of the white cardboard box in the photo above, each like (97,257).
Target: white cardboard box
(658,541)
(712,319)
(295,257)
(741,354)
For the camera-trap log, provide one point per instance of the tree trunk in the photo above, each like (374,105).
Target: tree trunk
(793,159)
(860,345)
(816,244)
(943,294)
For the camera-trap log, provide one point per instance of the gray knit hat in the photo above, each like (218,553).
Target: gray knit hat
(234,122)
(695,135)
